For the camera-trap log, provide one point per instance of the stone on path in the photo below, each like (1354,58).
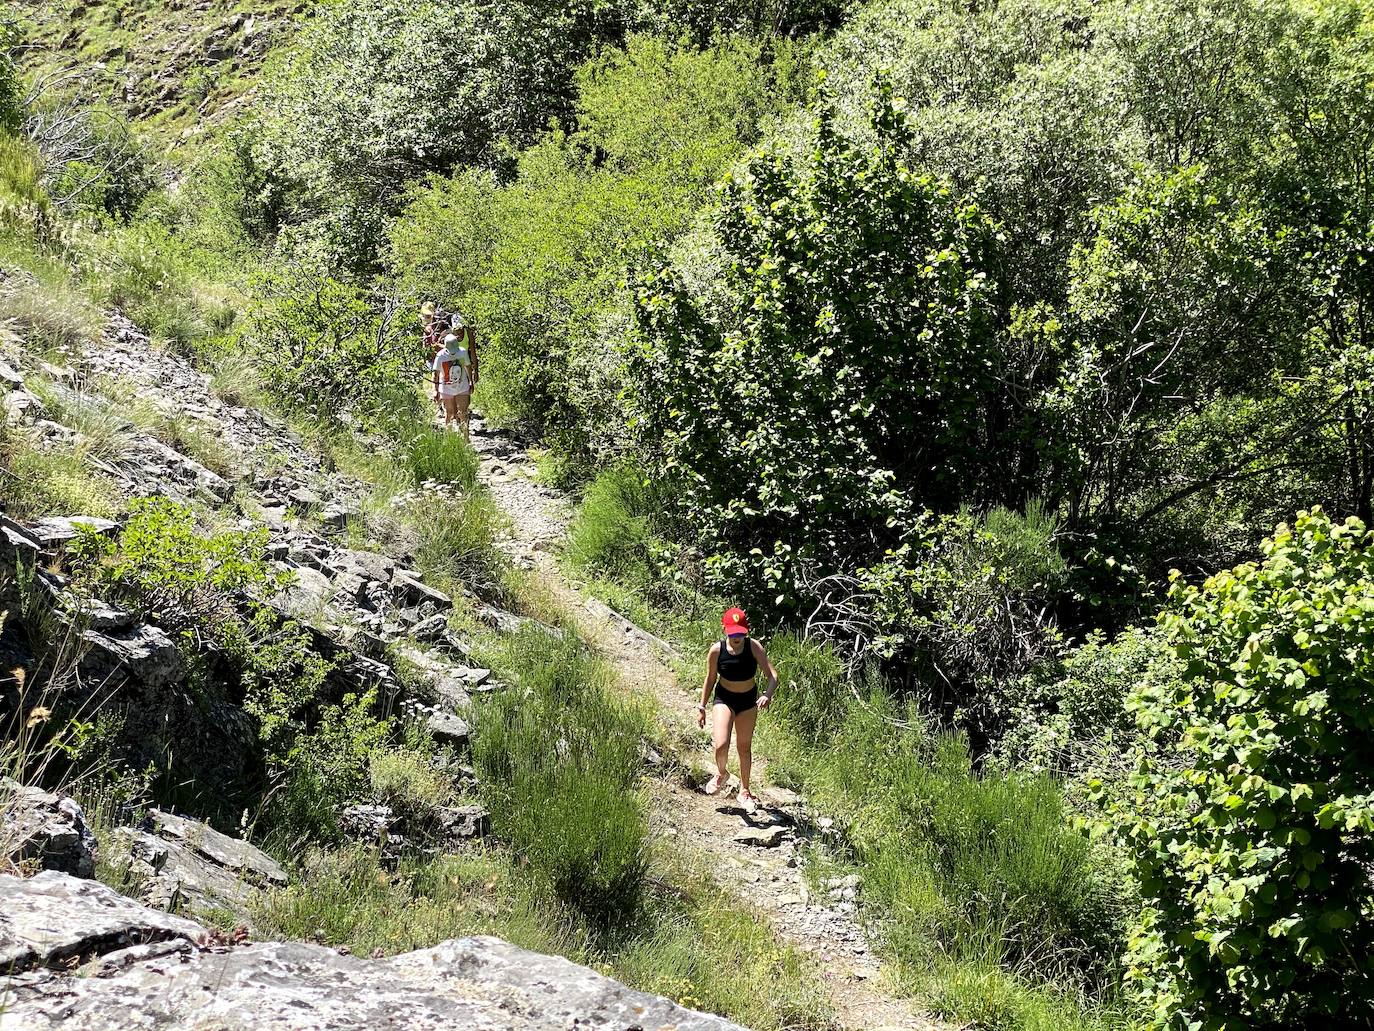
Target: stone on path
(762,837)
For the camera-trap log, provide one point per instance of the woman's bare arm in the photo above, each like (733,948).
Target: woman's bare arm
(712,657)
(761,654)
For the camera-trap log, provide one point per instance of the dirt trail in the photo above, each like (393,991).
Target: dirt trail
(757,855)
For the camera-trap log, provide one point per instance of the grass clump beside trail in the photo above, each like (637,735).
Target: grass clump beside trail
(991,900)
(559,762)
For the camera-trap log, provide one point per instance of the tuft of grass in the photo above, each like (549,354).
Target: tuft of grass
(559,760)
(235,378)
(457,541)
(442,457)
(57,481)
(987,996)
(407,783)
(104,432)
(709,953)
(184,435)
(52,317)
(690,944)
(347,898)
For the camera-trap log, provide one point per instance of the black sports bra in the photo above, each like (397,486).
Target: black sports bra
(737,668)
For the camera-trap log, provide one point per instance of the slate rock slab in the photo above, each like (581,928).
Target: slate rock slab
(173,861)
(38,825)
(46,919)
(477,984)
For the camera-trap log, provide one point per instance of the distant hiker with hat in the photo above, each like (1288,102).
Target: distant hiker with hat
(732,666)
(455,373)
(433,328)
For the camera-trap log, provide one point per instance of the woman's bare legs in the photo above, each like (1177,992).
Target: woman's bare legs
(744,746)
(463,409)
(450,410)
(721,721)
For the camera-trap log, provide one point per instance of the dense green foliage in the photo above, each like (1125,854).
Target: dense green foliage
(941,367)
(1251,836)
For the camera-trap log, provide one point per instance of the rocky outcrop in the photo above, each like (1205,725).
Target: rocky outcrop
(53,918)
(478,984)
(174,863)
(37,826)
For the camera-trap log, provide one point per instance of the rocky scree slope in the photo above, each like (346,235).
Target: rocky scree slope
(364,610)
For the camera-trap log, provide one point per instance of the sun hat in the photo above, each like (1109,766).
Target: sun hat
(451,342)
(427,308)
(457,321)
(734,622)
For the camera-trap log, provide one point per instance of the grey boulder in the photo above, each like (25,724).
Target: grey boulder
(174,862)
(38,826)
(48,919)
(477,984)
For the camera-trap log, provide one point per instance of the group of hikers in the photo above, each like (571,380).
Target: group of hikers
(732,664)
(452,347)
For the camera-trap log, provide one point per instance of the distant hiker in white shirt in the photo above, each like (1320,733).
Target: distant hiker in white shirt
(455,374)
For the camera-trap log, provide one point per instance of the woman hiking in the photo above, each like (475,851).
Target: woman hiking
(732,667)
(455,374)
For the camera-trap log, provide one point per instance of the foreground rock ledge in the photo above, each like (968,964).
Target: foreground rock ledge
(473,984)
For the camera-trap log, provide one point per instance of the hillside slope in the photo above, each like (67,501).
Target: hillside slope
(179,68)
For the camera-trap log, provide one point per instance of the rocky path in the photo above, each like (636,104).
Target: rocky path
(761,854)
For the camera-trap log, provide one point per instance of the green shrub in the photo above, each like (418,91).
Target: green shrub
(1070,716)
(559,760)
(1252,825)
(321,344)
(834,381)
(324,767)
(407,782)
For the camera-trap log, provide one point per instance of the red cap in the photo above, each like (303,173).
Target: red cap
(734,622)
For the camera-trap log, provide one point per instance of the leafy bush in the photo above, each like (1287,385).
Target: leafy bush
(839,380)
(171,572)
(1071,715)
(407,782)
(1253,850)
(559,759)
(324,768)
(539,264)
(323,347)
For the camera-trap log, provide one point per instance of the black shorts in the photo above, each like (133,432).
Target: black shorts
(737,701)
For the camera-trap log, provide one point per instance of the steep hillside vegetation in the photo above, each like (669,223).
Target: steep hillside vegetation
(1008,361)
(178,68)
